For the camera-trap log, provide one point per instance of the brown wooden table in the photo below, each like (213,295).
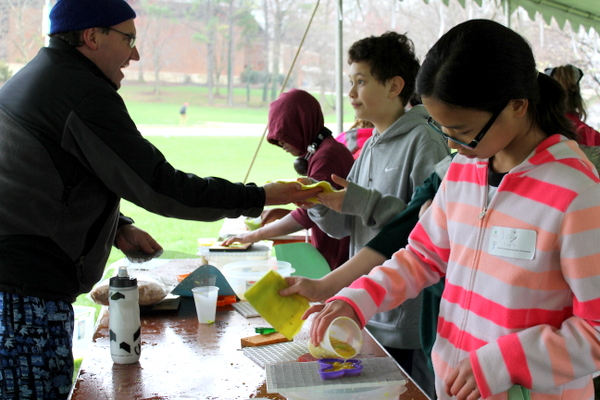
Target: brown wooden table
(182,359)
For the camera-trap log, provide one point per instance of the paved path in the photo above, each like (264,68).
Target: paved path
(209,129)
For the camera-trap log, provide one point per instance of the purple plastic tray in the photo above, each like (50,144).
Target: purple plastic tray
(351,367)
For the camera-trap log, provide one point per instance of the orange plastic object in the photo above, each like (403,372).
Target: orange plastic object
(226,300)
(181,277)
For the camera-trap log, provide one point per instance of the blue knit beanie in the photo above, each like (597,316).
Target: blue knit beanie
(76,15)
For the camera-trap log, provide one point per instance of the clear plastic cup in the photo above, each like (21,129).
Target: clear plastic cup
(205,299)
(343,339)
(205,280)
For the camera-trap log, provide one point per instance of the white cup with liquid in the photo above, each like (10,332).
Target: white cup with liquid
(343,339)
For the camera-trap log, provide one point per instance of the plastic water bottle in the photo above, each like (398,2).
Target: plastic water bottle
(124,318)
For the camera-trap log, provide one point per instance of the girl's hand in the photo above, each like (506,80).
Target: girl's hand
(241,238)
(461,382)
(327,313)
(313,289)
(334,200)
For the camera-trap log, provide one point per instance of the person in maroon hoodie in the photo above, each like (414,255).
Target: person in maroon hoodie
(296,124)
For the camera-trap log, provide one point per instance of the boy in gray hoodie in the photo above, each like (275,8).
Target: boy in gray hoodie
(396,160)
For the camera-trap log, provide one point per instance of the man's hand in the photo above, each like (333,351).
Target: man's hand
(334,200)
(287,192)
(130,237)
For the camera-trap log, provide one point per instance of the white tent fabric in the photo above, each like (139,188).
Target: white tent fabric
(584,13)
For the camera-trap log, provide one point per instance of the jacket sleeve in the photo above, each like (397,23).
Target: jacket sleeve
(376,209)
(371,206)
(394,235)
(410,269)
(115,152)
(544,355)
(333,223)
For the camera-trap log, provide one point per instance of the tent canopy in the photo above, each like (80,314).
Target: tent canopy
(584,13)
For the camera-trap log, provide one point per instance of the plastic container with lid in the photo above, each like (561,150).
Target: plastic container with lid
(242,275)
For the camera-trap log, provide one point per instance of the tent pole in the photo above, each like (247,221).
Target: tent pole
(339,86)
(507,13)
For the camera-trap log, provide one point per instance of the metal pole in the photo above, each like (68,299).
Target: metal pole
(339,85)
(507,11)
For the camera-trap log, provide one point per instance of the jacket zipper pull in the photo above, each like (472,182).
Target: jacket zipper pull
(482,213)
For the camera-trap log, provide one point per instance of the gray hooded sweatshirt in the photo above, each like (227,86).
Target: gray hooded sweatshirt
(382,180)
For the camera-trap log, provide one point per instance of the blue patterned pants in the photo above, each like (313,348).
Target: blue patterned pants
(36,359)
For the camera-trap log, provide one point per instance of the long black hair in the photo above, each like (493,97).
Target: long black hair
(482,64)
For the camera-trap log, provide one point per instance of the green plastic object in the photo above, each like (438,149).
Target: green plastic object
(305,259)
(264,331)
(518,392)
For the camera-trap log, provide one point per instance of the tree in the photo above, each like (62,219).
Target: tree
(24,16)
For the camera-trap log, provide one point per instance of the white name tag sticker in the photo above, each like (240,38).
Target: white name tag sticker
(512,242)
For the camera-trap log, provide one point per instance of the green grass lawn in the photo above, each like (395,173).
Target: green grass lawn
(147,108)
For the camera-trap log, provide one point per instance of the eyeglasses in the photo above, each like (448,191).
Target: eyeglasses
(130,38)
(476,140)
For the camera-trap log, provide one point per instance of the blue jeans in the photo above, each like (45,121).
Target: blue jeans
(36,359)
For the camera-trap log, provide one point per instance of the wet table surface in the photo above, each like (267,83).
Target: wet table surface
(182,359)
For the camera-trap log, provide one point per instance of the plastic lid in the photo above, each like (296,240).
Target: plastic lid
(123,280)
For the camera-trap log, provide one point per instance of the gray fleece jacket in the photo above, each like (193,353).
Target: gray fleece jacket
(382,180)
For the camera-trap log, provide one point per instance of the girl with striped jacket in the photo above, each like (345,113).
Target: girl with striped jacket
(512,230)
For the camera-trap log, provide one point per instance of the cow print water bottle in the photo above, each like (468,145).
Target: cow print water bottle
(124,318)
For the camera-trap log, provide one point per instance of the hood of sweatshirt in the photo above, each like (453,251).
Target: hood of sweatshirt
(295,118)
(410,120)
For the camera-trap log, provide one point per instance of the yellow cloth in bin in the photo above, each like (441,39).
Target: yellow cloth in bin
(283,313)
(327,188)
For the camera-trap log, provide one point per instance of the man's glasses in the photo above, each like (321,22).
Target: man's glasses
(476,140)
(130,38)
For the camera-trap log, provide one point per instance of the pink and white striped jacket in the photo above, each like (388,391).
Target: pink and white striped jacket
(522,296)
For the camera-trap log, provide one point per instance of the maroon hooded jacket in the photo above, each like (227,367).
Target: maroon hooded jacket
(296,118)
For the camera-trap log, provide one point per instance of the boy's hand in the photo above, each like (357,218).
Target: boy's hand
(334,200)
(313,289)
(461,382)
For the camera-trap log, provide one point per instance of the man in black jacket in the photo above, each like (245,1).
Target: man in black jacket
(69,153)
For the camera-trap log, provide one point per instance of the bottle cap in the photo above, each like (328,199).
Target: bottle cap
(123,280)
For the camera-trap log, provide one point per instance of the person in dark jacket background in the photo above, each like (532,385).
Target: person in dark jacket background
(69,153)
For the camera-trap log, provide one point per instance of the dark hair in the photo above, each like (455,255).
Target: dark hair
(388,55)
(569,76)
(482,64)
(74,37)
